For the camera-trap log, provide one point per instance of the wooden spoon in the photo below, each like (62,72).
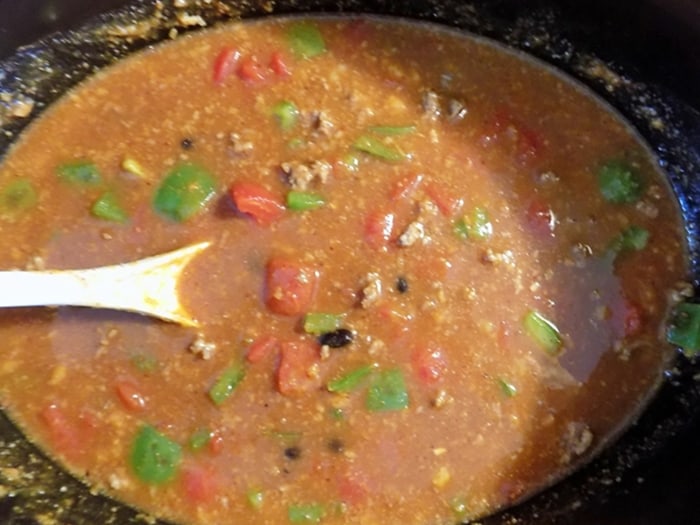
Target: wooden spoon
(148,286)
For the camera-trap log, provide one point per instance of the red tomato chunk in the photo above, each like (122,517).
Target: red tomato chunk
(289,287)
(298,370)
(257,202)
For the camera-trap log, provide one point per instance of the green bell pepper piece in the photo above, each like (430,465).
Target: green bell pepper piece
(154,457)
(387,392)
(184,192)
(543,331)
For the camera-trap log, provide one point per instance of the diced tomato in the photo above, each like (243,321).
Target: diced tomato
(527,143)
(495,125)
(278,64)
(261,348)
(406,187)
(352,488)
(429,364)
(130,395)
(250,70)
(63,433)
(199,483)
(295,373)
(357,32)
(632,318)
(540,217)
(446,203)
(395,323)
(290,287)
(503,336)
(225,64)
(257,201)
(379,228)
(216,442)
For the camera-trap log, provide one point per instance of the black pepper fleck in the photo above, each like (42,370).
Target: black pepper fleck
(187,143)
(402,285)
(336,339)
(292,452)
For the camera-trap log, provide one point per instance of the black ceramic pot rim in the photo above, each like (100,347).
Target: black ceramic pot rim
(43,71)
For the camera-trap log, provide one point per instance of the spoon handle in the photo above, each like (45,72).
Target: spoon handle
(47,288)
(148,286)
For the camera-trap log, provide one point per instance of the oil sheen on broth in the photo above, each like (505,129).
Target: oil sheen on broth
(438,276)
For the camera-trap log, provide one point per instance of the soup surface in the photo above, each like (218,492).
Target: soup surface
(436,284)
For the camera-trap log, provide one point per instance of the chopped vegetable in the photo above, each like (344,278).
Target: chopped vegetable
(474,226)
(619,183)
(285,436)
(304,201)
(216,442)
(312,513)
(289,287)
(378,149)
(257,201)
(250,70)
(226,384)
(406,187)
(631,317)
(255,498)
(200,484)
(17,196)
(634,238)
(154,458)
(305,40)
(295,371)
(64,434)
(351,162)
(508,389)
(448,204)
(225,64)
(145,363)
(107,207)
(337,414)
(82,173)
(429,364)
(390,131)
(200,439)
(387,392)
(296,143)
(543,331)
(319,323)
(684,328)
(130,395)
(286,114)
(184,192)
(459,506)
(351,380)
(481,227)
(261,347)
(379,229)
(130,165)
(278,65)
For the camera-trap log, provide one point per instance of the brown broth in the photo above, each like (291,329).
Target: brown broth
(497,421)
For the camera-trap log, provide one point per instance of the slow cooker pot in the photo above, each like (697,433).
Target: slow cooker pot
(650,475)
